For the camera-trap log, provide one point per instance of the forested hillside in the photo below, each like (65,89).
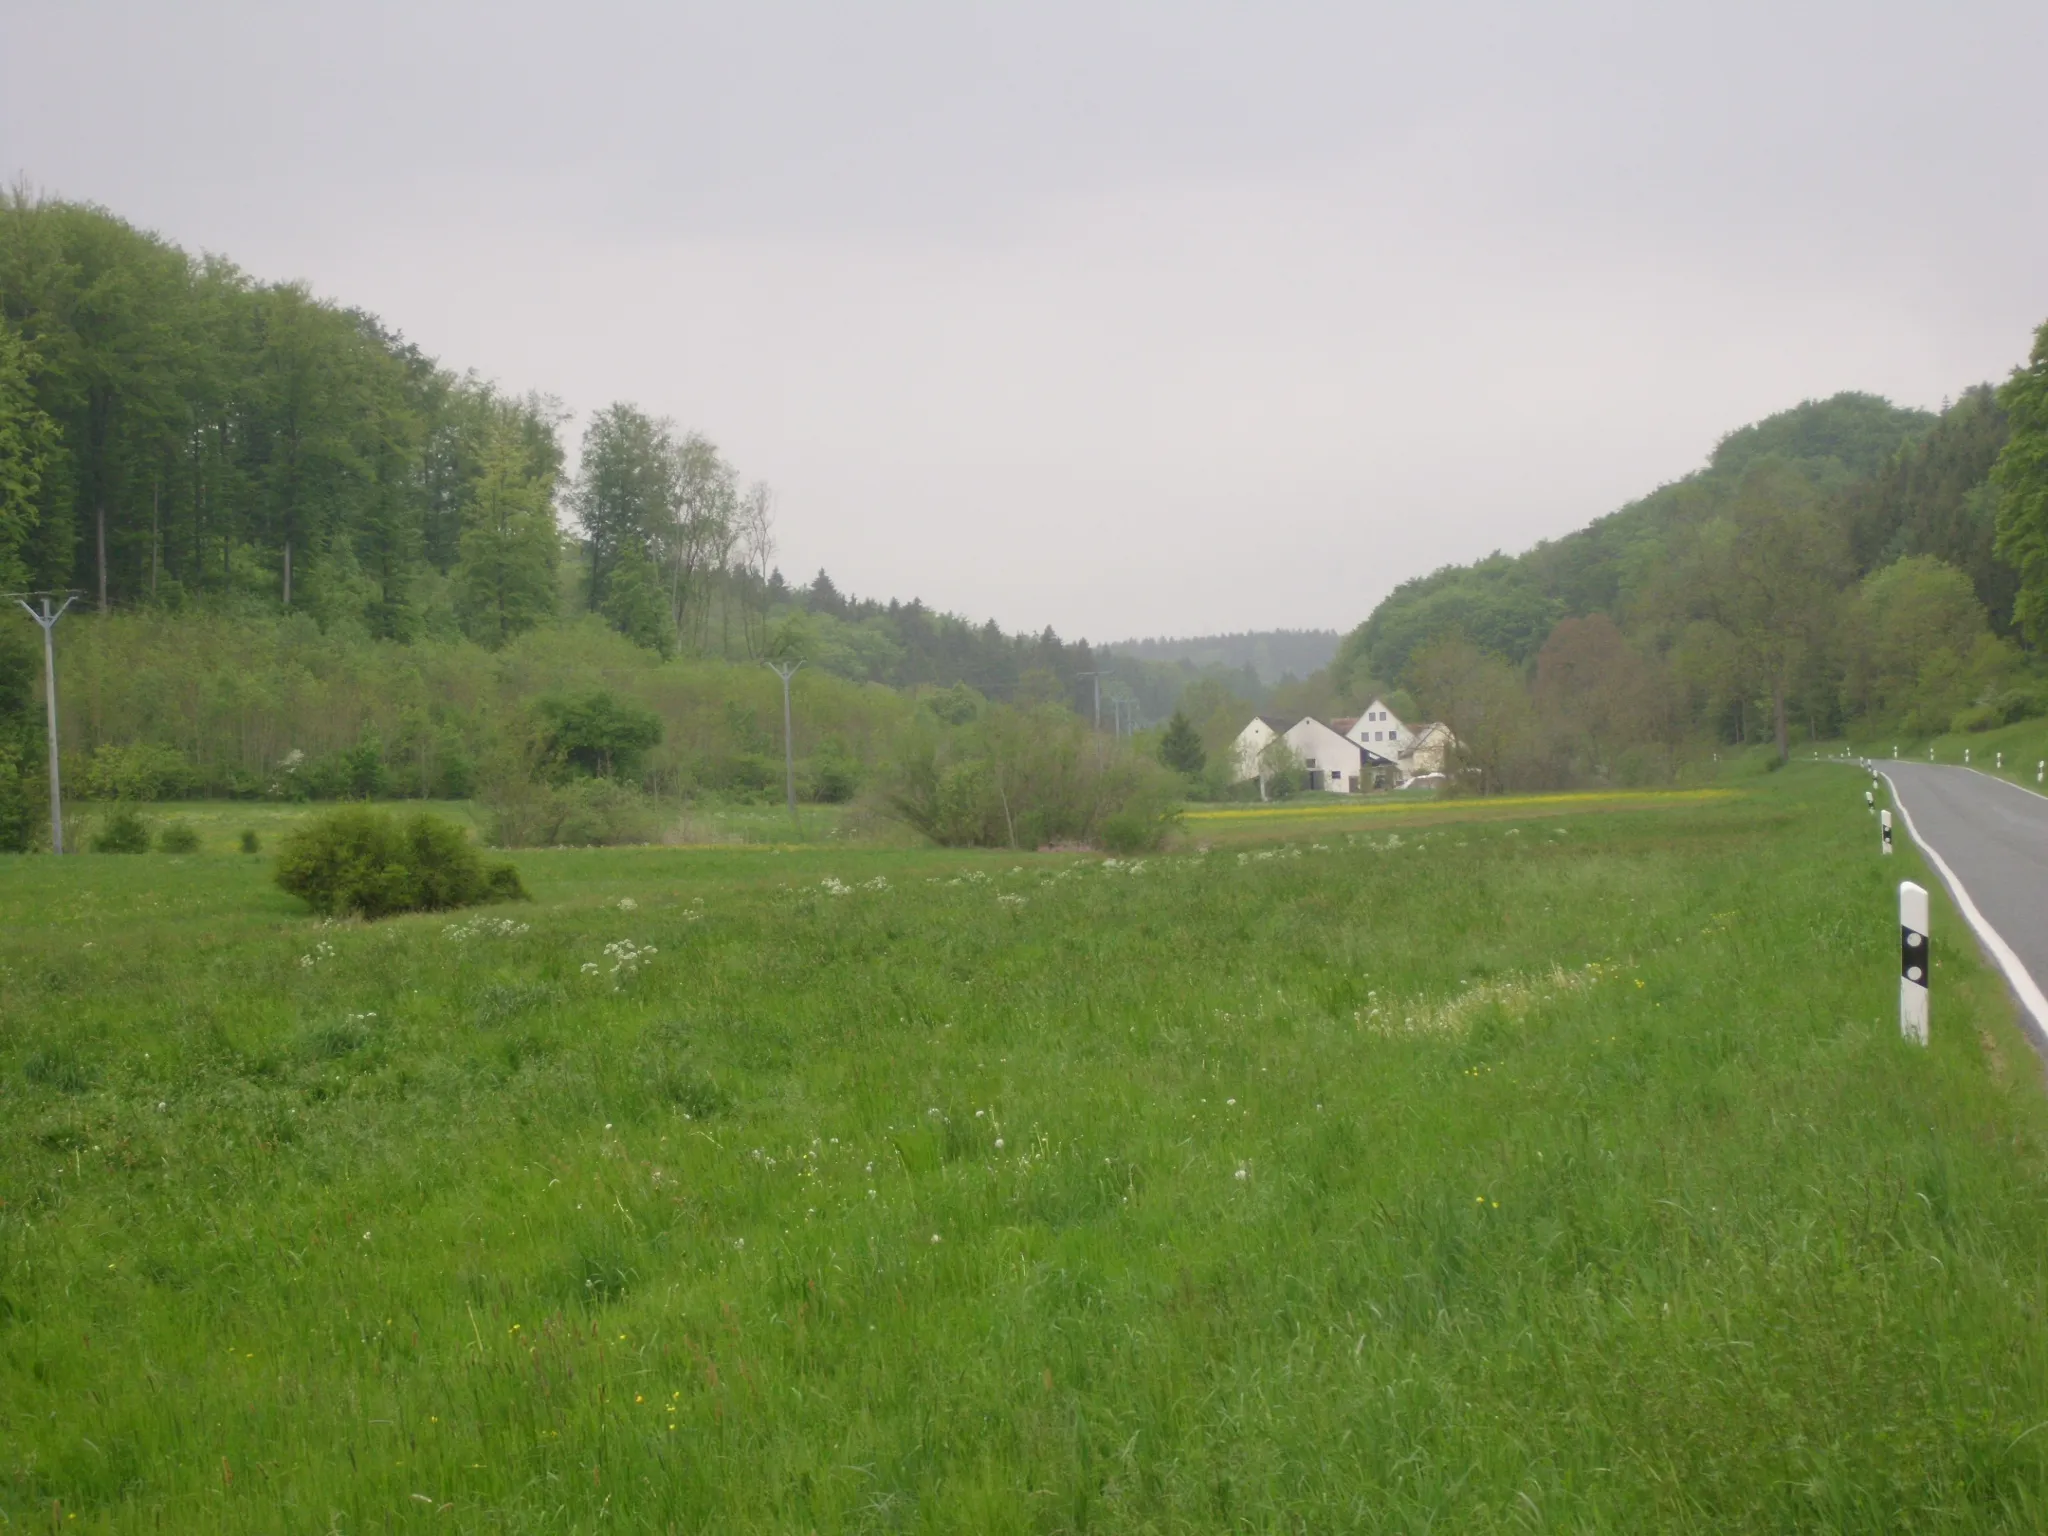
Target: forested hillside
(176,433)
(311,559)
(1268,654)
(1845,565)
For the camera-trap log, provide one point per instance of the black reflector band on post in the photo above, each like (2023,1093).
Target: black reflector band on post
(1916,965)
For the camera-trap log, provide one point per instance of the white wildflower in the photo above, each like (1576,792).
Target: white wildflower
(478,927)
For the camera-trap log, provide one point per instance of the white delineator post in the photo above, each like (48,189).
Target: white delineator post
(1884,827)
(1869,800)
(1913,962)
(2041,770)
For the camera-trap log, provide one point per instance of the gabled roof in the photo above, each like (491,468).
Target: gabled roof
(1278,724)
(1343,726)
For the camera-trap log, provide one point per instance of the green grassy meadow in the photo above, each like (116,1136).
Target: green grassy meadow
(220,823)
(1471,1168)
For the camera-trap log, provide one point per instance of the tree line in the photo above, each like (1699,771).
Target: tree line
(316,562)
(175,433)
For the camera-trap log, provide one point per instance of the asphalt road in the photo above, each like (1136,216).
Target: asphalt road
(1993,836)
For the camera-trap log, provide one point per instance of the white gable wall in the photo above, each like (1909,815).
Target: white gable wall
(1251,741)
(1378,730)
(1333,761)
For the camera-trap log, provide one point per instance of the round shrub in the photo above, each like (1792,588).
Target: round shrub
(178,837)
(123,832)
(251,843)
(369,863)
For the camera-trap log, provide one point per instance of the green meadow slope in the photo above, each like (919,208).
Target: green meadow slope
(1413,1172)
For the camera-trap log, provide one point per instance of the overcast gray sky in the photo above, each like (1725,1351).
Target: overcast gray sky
(1126,318)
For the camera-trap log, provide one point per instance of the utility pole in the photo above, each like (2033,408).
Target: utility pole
(786,670)
(1098,695)
(48,621)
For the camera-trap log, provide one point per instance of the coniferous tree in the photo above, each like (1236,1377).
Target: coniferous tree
(1180,748)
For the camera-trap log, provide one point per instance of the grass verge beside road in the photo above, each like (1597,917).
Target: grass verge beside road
(1535,1171)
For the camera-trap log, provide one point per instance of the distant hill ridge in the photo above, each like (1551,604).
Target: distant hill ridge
(1270,653)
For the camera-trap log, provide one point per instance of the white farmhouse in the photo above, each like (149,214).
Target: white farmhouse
(1345,756)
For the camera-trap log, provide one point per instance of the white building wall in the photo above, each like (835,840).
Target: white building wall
(1378,730)
(1333,761)
(1429,749)
(1251,741)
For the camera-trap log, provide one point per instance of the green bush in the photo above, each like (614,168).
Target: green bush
(1026,778)
(143,771)
(595,733)
(1136,830)
(18,818)
(251,843)
(599,813)
(178,836)
(368,863)
(123,832)
(2008,708)
(584,813)
(834,775)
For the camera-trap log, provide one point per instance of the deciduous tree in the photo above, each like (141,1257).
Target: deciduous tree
(505,581)
(2021,477)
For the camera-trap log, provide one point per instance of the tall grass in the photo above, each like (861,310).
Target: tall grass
(1472,1175)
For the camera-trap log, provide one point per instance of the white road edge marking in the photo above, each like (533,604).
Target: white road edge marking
(2016,974)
